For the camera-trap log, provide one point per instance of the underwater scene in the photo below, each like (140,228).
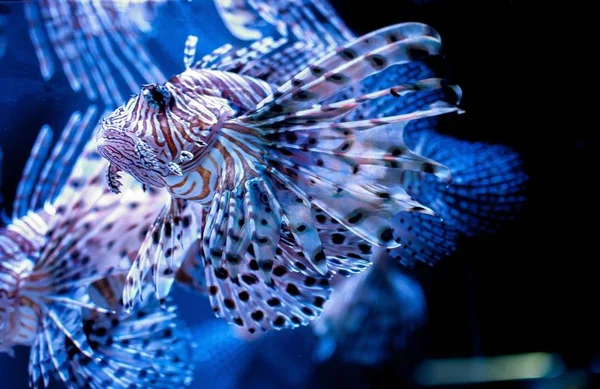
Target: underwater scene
(284,194)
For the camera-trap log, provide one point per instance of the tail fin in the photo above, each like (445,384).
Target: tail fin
(488,187)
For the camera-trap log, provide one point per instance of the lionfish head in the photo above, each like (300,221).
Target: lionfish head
(158,133)
(118,142)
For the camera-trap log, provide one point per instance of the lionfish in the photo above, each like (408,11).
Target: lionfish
(285,188)
(63,259)
(94,40)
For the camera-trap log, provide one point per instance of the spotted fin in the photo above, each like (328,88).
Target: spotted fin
(489,185)
(252,254)
(351,63)
(402,108)
(347,253)
(357,164)
(301,230)
(366,183)
(239,289)
(288,300)
(147,347)
(215,226)
(264,218)
(162,251)
(412,73)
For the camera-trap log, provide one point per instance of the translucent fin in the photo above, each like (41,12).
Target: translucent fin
(91,41)
(147,348)
(313,21)
(489,186)
(163,250)
(44,174)
(244,292)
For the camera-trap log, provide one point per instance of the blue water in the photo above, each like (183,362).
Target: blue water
(497,310)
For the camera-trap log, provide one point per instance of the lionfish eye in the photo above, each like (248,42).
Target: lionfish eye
(156,95)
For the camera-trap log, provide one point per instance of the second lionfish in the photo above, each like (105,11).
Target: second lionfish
(63,255)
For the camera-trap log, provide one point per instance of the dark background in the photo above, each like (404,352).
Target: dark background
(528,288)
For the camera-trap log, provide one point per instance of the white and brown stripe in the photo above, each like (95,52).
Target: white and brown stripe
(195,119)
(20,245)
(19,314)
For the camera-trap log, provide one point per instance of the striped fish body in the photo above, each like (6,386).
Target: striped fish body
(18,314)
(217,97)
(310,136)
(173,131)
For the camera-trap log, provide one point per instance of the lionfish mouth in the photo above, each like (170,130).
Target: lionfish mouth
(127,153)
